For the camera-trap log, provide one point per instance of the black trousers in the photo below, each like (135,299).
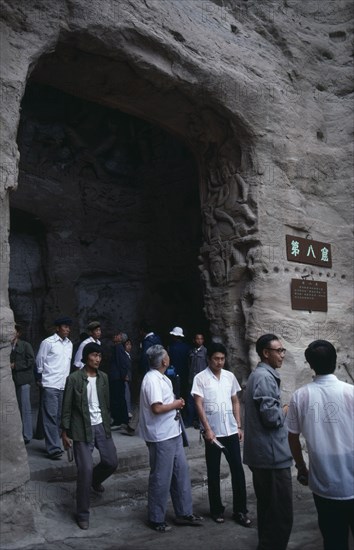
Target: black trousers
(273,490)
(119,409)
(233,457)
(334,519)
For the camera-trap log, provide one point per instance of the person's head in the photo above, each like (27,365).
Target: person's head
(321,356)
(216,353)
(128,345)
(158,357)
(117,337)
(94,329)
(270,350)
(18,331)
(62,326)
(177,333)
(198,339)
(92,355)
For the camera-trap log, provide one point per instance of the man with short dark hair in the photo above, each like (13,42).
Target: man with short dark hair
(266,450)
(86,423)
(215,393)
(323,411)
(22,365)
(53,367)
(94,331)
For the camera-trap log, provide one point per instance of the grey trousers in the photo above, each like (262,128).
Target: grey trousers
(51,410)
(273,490)
(24,404)
(88,475)
(169,474)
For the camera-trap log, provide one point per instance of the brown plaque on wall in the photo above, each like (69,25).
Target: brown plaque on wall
(308,295)
(307,251)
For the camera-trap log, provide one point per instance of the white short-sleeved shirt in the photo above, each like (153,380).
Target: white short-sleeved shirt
(216,394)
(157,388)
(323,411)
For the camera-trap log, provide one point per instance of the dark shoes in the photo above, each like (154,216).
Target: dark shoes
(242,519)
(98,488)
(56,455)
(83,524)
(189,520)
(160,527)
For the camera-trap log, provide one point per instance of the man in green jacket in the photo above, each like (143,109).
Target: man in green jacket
(22,363)
(85,424)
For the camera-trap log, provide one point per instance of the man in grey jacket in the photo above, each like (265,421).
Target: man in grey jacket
(266,448)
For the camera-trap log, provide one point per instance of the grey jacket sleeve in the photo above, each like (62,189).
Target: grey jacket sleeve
(267,397)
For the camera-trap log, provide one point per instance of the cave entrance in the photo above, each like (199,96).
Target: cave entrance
(112,209)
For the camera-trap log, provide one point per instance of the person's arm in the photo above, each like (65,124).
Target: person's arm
(29,355)
(43,351)
(160,408)
(296,451)
(78,356)
(266,396)
(66,412)
(209,435)
(236,409)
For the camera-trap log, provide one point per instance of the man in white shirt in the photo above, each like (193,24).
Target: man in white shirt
(94,330)
(85,425)
(53,367)
(323,412)
(160,427)
(215,393)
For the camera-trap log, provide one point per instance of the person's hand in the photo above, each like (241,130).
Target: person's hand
(67,442)
(240,434)
(209,435)
(180,403)
(12,365)
(285,409)
(303,474)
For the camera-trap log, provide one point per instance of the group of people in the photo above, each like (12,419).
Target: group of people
(322,411)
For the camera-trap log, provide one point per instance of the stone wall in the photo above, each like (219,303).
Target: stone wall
(260,93)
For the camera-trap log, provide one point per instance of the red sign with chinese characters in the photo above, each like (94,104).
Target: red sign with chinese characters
(306,251)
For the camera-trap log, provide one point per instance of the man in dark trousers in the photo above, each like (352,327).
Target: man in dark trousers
(118,375)
(22,364)
(86,424)
(266,449)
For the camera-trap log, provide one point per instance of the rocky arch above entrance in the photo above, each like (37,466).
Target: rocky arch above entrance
(222,147)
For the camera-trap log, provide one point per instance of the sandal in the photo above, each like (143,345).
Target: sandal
(242,519)
(218,518)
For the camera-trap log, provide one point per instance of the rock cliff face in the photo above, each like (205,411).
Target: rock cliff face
(239,116)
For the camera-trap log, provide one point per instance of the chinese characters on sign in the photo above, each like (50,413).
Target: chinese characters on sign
(306,251)
(308,295)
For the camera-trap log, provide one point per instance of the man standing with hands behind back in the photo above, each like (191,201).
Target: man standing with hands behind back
(266,450)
